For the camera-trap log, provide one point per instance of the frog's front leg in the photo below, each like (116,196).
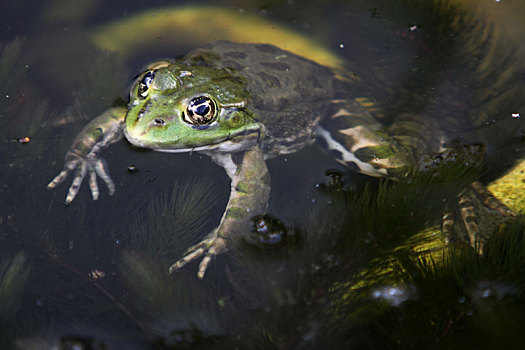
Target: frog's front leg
(249,195)
(83,156)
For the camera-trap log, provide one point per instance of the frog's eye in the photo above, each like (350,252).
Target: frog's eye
(145,83)
(200,111)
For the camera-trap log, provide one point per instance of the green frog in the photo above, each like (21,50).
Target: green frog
(241,104)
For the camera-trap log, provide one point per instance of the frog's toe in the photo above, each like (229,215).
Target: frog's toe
(93,186)
(93,166)
(77,181)
(194,254)
(102,170)
(68,167)
(209,247)
(218,246)
(58,179)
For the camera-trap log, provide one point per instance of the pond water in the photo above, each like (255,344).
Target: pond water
(352,261)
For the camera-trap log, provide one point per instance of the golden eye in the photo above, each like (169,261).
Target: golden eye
(145,83)
(200,111)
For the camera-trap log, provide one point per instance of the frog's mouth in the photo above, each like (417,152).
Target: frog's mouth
(241,141)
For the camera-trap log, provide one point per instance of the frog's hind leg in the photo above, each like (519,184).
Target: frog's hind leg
(478,215)
(357,140)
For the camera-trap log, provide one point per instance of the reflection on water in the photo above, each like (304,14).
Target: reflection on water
(336,262)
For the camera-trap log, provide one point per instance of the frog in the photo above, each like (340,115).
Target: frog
(241,104)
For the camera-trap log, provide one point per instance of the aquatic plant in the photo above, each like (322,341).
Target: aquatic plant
(14,271)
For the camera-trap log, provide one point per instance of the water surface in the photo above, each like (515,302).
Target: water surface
(93,275)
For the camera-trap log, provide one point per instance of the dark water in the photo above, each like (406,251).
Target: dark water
(93,275)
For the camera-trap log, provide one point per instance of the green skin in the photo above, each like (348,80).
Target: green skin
(259,102)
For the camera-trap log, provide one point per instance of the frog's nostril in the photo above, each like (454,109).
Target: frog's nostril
(158,122)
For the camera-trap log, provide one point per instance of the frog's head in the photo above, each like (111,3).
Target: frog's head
(176,108)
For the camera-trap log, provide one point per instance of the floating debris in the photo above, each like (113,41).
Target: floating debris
(97,274)
(24,139)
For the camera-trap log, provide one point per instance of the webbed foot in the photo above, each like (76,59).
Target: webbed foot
(209,247)
(478,216)
(83,158)
(91,165)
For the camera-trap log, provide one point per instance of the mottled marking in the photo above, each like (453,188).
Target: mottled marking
(235,54)
(314,81)
(367,104)
(448,226)
(270,80)
(284,102)
(280,66)
(286,145)
(346,123)
(346,156)
(267,48)
(341,112)
(203,57)
(145,108)
(241,189)
(231,78)
(470,222)
(232,65)
(471,218)
(365,154)
(235,213)
(360,99)
(490,201)
(359,136)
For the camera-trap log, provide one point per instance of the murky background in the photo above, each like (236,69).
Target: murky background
(343,271)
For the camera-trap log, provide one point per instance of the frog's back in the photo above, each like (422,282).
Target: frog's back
(289,94)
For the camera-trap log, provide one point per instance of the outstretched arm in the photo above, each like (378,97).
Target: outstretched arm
(83,157)
(249,195)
